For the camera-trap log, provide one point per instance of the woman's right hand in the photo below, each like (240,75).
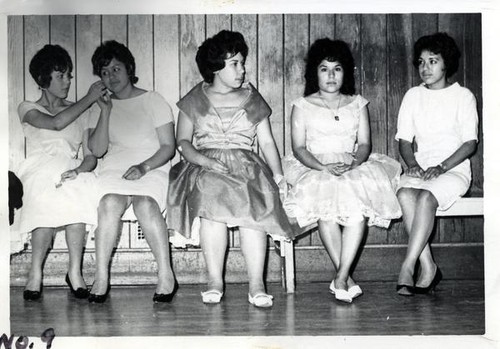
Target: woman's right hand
(216,165)
(97,90)
(105,103)
(415,171)
(336,168)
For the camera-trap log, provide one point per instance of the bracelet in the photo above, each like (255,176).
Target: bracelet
(442,167)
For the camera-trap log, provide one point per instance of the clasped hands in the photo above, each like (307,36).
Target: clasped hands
(338,168)
(431,172)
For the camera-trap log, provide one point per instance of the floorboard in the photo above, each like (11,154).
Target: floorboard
(456,308)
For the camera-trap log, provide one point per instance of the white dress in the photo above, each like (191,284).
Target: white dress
(367,191)
(440,121)
(133,139)
(49,154)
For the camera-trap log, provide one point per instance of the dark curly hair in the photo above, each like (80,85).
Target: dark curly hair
(439,43)
(113,49)
(332,51)
(213,51)
(47,60)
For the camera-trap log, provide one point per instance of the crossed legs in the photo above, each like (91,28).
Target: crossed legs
(419,211)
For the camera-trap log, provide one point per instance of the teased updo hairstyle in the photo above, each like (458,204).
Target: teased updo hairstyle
(47,60)
(332,51)
(213,51)
(438,43)
(112,49)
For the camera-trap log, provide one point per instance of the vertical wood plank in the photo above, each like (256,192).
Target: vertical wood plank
(454,25)
(322,26)
(216,23)
(140,43)
(166,61)
(422,24)
(192,35)
(36,29)
(115,27)
(62,32)
(15,90)
(270,71)
(374,82)
(472,62)
(399,44)
(88,37)
(296,46)
(348,29)
(247,26)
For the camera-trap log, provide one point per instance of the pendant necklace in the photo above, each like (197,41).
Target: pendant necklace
(336,112)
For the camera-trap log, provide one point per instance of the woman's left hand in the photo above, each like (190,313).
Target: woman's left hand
(69,175)
(432,172)
(134,172)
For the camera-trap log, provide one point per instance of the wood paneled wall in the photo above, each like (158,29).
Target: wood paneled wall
(164,47)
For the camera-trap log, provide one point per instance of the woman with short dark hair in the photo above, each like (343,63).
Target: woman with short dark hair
(438,173)
(57,186)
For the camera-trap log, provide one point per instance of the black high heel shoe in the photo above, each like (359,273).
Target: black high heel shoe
(437,278)
(80,292)
(166,297)
(32,295)
(99,298)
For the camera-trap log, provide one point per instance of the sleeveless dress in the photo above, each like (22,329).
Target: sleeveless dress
(247,196)
(365,191)
(49,154)
(452,113)
(133,139)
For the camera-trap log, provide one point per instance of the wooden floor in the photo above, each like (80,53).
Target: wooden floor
(457,307)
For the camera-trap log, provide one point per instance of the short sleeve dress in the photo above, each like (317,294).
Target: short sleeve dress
(133,139)
(365,191)
(247,196)
(49,154)
(440,121)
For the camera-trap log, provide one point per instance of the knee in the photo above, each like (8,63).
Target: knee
(111,205)
(425,197)
(406,194)
(145,206)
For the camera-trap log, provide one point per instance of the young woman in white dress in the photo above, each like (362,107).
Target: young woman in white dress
(335,180)
(57,185)
(134,135)
(441,118)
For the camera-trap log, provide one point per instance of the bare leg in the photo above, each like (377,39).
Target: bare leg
(408,199)
(75,238)
(351,240)
(331,237)
(419,233)
(41,239)
(153,224)
(253,247)
(213,241)
(110,211)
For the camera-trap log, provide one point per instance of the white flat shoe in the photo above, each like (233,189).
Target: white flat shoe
(261,300)
(340,294)
(211,296)
(355,291)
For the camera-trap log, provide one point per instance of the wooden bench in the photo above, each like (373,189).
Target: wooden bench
(463,207)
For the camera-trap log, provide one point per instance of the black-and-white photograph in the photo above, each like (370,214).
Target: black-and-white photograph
(223,175)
